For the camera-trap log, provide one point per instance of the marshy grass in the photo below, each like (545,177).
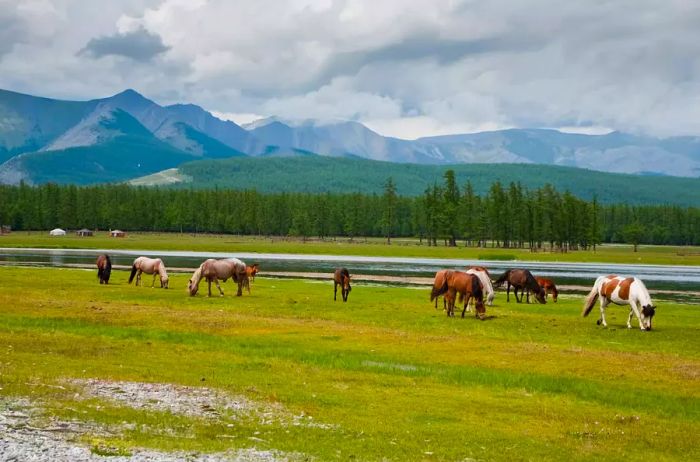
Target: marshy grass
(386,376)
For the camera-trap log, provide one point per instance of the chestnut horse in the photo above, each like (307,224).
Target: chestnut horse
(251,271)
(104,268)
(622,291)
(213,270)
(341,278)
(549,287)
(152,266)
(450,283)
(524,280)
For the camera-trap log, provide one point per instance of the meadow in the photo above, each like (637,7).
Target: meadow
(403,247)
(383,377)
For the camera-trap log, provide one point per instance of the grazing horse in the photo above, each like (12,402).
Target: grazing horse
(524,280)
(450,283)
(104,268)
(213,270)
(341,278)
(152,266)
(251,271)
(621,291)
(485,279)
(549,287)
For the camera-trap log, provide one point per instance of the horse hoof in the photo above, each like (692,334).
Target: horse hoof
(598,322)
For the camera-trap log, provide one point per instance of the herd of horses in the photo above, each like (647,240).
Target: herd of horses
(474,284)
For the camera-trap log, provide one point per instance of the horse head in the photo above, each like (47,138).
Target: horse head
(164,281)
(555,294)
(648,312)
(541,296)
(346,283)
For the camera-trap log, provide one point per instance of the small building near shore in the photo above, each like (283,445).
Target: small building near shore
(57,232)
(5,229)
(117,233)
(84,233)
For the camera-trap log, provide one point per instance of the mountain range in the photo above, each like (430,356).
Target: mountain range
(127,136)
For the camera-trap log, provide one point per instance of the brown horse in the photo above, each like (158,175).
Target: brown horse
(524,280)
(341,278)
(213,270)
(104,268)
(450,283)
(250,271)
(549,287)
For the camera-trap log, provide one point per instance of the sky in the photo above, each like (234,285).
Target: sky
(404,68)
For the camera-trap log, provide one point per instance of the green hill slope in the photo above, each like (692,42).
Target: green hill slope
(322,174)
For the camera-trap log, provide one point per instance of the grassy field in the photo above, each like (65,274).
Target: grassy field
(386,376)
(342,246)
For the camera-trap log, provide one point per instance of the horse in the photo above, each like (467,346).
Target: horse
(621,291)
(549,287)
(450,283)
(250,271)
(152,266)
(104,268)
(524,280)
(213,270)
(485,279)
(341,278)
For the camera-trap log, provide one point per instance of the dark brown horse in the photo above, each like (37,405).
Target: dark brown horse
(451,283)
(104,268)
(341,278)
(523,280)
(549,287)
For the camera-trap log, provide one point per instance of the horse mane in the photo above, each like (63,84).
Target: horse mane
(503,278)
(532,283)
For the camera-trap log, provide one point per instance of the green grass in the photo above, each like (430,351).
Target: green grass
(676,255)
(396,378)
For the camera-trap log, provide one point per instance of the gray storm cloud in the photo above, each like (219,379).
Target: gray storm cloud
(139,45)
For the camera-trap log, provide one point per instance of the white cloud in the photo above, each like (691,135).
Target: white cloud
(406,68)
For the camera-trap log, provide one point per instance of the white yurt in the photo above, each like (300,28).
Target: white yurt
(57,232)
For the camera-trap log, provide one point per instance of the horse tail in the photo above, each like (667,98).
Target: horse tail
(503,278)
(133,273)
(592,297)
(439,286)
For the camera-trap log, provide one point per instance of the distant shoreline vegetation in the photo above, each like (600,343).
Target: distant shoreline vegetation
(510,216)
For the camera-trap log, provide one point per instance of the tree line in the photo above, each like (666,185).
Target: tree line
(446,214)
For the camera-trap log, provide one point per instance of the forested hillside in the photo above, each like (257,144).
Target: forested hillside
(346,175)
(506,215)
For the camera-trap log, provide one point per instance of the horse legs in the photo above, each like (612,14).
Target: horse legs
(240,288)
(138,279)
(466,303)
(508,292)
(633,308)
(218,286)
(153,284)
(335,291)
(344,293)
(603,304)
(527,297)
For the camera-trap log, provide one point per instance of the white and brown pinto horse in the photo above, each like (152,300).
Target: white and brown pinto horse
(152,266)
(213,270)
(485,280)
(622,291)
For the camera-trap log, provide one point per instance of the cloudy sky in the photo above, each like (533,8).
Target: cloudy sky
(405,68)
